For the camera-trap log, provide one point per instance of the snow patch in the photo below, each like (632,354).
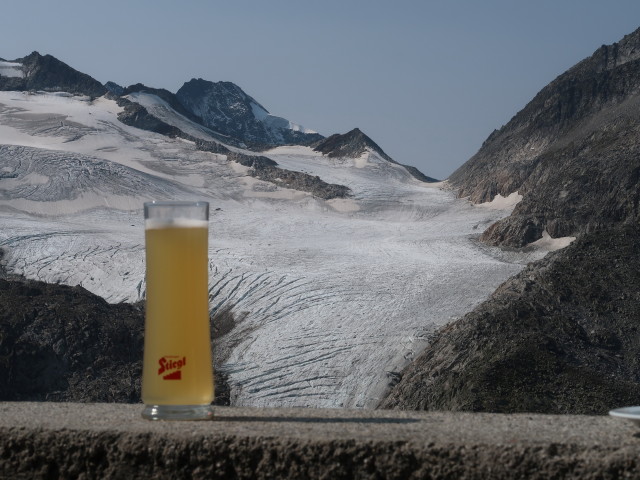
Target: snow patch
(258,112)
(275,123)
(502,203)
(362,161)
(345,205)
(32,178)
(549,244)
(11,69)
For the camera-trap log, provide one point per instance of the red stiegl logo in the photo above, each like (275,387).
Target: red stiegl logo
(171,367)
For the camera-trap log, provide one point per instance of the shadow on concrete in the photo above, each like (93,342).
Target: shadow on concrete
(316,420)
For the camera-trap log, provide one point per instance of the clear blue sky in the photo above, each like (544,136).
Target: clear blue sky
(427,80)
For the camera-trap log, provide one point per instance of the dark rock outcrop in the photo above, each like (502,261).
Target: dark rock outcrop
(573,152)
(47,73)
(211,147)
(227,109)
(299,181)
(60,343)
(353,144)
(114,88)
(563,336)
(251,161)
(267,170)
(65,344)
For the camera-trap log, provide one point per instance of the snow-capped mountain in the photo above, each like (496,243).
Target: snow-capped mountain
(226,108)
(44,72)
(330,294)
(354,144)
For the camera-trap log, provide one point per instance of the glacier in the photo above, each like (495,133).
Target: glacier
(331,298)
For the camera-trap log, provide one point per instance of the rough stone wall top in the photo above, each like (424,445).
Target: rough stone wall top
(45,440)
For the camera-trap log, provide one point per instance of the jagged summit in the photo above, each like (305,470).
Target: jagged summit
(45,72)
(226,108)
(114,88)
(229,115)
(353,144)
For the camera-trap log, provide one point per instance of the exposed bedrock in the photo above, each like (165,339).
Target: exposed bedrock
(563,336)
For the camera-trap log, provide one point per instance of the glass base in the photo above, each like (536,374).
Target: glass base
(177,412)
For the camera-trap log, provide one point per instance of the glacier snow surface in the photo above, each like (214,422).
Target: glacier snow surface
(331,298)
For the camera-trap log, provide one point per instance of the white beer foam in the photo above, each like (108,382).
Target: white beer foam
(156,223)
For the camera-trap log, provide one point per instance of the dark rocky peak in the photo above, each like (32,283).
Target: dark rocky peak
(211,101)
(350,145)
(607,57)
(228,91)
(353,144)
(227,109)
(114,88)
(45,72)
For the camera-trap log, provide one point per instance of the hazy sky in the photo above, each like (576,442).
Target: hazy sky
(427,80)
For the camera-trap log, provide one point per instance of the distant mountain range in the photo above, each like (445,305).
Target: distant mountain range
(232,116)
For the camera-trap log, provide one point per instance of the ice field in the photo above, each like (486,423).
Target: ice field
(331,298)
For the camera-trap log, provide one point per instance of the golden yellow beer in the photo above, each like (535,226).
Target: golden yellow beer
(177,367)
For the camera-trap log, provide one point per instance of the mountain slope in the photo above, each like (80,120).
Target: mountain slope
(153,110)
(579,134)
(38,72)
(563,336)
(560,337)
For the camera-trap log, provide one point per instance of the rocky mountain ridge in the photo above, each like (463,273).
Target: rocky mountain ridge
(580,127)
(47,73)
(226,108)
(233,117)
(563,336)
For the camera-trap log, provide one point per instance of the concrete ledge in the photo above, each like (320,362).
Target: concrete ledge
(64,440)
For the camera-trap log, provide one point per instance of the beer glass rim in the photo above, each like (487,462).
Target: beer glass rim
(176,203)
(175,209)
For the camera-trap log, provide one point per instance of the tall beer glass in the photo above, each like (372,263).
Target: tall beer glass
(177,375)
